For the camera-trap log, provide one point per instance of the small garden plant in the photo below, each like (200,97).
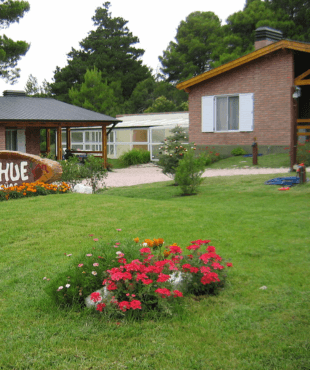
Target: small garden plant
(134,157)
(189,172)
(134,279)
(238,151)
(172,151)
(27,190)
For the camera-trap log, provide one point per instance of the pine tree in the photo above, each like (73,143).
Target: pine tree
(11,51)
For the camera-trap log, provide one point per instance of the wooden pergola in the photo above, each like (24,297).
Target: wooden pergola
(17,111)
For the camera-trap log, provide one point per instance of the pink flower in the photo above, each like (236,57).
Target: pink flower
(147,281)
(88,255)
(80,265)
(96,239)
(210,248)
(91,235)
(96,297)
(118,229)
(96,264)
(145,250)
(209,278)
(94,273)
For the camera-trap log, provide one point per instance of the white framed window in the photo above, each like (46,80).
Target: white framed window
(227,113)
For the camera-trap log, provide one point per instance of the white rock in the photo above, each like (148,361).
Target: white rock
(80,188)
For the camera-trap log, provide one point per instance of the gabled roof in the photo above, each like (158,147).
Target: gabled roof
(23,108)
(283,44)
(154,119)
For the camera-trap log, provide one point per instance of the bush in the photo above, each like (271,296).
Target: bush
(189,172)
(92,170)
(238,151)
(134,157)
(172,151)
(139,279)
(211,156)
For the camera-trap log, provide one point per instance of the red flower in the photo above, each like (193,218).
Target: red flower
(95,297)
(100,306)
(147,281)
(177,293)
(124,305)
(162,278)
(217,266)
(122,260)
(229,264)
(193,247)
(210,248)
(145,250)
(112,286)
(135,304)
(199,242)
(175,249)
(209,278)
(164,292)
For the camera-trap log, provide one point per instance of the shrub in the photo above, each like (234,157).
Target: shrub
(172,151)
(238,151)
(211,156)
(92,170)
(138,279)
(134,157)
(189,172)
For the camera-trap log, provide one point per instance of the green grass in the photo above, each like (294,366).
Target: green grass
(263,231)
(270,160)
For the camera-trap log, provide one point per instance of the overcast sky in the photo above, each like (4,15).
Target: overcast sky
(53,27)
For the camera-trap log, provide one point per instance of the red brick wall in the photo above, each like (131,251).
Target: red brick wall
(270,79)
(33,140)
(2,138)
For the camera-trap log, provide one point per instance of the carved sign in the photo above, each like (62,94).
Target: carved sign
(17,167)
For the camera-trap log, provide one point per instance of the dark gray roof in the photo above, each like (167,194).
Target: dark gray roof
(23,108)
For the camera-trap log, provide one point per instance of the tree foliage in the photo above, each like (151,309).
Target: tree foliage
(95,94)
(111,49)
(33,88)
(202,43)
(11,51)
(195,48)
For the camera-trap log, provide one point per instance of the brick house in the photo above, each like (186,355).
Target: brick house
(255,96)
(22,118)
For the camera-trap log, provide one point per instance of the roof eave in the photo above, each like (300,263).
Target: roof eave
(283,44)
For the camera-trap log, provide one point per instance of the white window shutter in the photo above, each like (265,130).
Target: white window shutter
(207,114)
(246,112)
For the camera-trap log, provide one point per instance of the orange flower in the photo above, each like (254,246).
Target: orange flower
(166,253)
(136,240)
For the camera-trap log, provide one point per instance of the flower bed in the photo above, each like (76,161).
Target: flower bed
(32,189)
(139,278)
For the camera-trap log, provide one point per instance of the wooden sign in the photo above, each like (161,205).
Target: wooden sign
(17,168)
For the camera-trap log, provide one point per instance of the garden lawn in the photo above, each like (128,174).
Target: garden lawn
(262,231)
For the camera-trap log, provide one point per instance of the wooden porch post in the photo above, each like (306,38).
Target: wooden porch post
(59,146)
(68,132)
(104,145)
(293,142)
(48,140)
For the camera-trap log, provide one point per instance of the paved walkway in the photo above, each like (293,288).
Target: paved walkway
(149,173)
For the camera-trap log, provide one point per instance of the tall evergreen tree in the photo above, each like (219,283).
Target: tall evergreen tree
(195,48)
(11,51)
(111,49)
(95,94)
